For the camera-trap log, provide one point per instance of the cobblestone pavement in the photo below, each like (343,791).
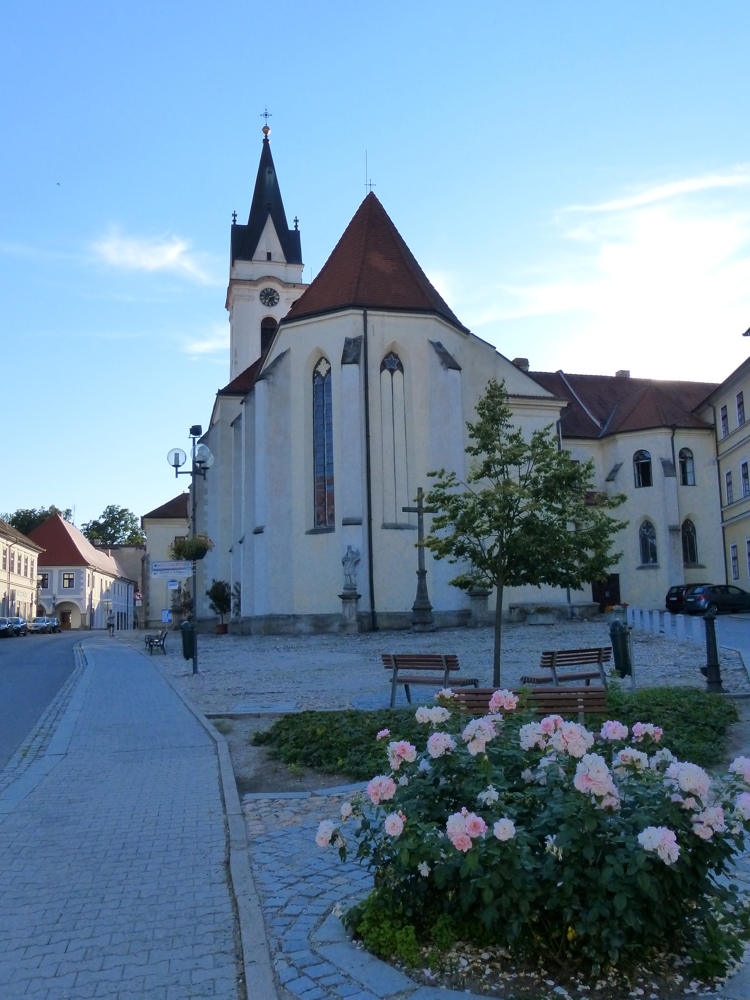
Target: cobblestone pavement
(284,673)
(113,879)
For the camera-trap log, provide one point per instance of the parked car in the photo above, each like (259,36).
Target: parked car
(40,625)
(54,625)
(717,598)
(20,626)
(6,627)
(675,599)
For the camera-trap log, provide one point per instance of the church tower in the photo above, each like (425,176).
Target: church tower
(265,275)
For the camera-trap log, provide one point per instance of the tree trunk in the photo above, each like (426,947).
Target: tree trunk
(498,631)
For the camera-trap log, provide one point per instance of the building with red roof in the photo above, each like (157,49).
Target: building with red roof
(80,583)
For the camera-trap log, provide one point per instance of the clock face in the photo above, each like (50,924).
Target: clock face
(269,297)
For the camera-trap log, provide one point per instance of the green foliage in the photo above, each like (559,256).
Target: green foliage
(191,547)
(114,526)
(25,519)
(695,724)
(570,884)
(220,596)
(336,742)
(527,514)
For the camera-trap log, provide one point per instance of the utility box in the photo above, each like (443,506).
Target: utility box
(618,635)
(188,640)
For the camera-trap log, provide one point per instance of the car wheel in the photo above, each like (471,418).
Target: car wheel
(713,608)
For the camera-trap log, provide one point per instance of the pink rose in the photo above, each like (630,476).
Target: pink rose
(741,767)
(550,724)
(383,734)
(475,825)
(462,842)
(324,834)
(613,730)
(393,825)
(401,751)
(439,744)
(503,699)
(742,805)
(643,729)
(381,789)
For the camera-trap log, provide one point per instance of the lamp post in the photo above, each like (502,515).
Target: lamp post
(201,462)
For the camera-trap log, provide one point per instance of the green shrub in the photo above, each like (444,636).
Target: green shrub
(564,846)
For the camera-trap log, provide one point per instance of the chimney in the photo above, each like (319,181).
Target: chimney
(623,373)
(522,363)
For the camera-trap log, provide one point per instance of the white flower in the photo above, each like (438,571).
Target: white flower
(661,840)
(661,757)
(504,829)
(393,824)
(551,847)
(689,778)
(439,744)
(325,832)
(424,765)
(531,735)
(346,810)
(741,767)
(423,868)
(489,796)
(742,805)
(573,739)
(628,757)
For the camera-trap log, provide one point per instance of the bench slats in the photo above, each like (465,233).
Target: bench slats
(553,659)
(438,668)
(549,700)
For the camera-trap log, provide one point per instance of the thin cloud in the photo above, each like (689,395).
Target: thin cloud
(213,342)
(665,192)
(172,255)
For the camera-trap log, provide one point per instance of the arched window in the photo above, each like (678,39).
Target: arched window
(323,445)
(642,469)
(647,539)
(393,435)
(689,543)
(267,331)
(687,467)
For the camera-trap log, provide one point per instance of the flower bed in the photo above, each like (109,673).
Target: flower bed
(579,849)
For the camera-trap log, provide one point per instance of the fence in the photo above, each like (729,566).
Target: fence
(684,628)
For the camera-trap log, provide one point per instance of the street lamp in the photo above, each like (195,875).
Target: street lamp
(201,462)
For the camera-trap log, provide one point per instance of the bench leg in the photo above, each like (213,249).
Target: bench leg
(408,693)
(393,688)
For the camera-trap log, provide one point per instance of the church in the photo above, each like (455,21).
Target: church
(343,394)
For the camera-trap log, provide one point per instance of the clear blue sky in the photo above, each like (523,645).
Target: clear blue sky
(574,177)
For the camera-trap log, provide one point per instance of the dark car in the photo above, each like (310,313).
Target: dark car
(40,624)
(19,626)
(54,625)
(6,628)
(717,598)
(675,599)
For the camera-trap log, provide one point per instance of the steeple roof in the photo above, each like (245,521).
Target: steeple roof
(371,267)
(266,202)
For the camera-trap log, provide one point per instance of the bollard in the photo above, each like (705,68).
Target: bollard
(618,636)
(188,641)
(667,625)
(713,669)
(680,622)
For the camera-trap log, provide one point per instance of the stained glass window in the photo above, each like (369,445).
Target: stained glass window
(323,445)
(689,543)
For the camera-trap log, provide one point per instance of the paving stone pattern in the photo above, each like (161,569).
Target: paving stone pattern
(113,879)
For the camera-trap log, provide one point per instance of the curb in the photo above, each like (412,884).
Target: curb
(255,951)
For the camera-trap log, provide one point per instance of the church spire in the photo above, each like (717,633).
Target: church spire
(266,205)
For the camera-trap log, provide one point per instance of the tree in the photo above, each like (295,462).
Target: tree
(527,514)
(115,526)
(220,595)
(25,519)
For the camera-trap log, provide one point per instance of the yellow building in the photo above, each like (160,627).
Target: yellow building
(725,408)
(18,565)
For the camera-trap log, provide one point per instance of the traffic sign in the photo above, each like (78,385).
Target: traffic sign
(174,567)
(173,585)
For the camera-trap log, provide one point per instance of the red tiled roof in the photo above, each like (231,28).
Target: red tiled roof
(64,545)
(240,384)
(371,267)
(177,507)
(609,404)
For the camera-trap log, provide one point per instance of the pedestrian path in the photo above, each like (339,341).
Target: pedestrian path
(113,850)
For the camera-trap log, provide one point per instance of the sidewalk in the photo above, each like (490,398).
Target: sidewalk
(114,874)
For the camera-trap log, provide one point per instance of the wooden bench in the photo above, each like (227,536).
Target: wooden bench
(548,700)
(424,668)
(552,659)
(156,642)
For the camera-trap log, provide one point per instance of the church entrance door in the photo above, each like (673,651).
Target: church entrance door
(606,592)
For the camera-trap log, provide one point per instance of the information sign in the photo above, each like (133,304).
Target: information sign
(172,568)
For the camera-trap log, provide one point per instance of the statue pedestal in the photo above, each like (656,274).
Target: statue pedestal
(480,615)
(349,603)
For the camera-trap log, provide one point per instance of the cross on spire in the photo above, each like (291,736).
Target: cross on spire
(265,114)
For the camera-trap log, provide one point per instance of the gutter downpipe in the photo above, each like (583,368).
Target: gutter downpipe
(721,502)
(368,478)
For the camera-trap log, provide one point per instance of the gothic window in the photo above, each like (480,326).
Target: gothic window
(647,539)
(322,445)
(642,468)
(393,431)
(687,467)
(267,331)
(689,543)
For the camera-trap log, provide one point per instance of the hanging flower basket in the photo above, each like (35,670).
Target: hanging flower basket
(191,548)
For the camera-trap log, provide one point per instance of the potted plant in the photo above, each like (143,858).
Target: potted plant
(191,548)
(220,602)
(541,615)
(616,612)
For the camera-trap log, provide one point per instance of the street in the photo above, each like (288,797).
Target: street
(734,631)
(32,670)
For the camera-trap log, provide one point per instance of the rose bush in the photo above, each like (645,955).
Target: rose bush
(562,845)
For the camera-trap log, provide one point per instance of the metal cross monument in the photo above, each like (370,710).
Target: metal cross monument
(422,618)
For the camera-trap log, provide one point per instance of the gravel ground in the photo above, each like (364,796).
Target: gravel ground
(272,674)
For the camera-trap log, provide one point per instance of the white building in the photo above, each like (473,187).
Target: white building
(162,526)
(80,583)
(18,561)
(334,422)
